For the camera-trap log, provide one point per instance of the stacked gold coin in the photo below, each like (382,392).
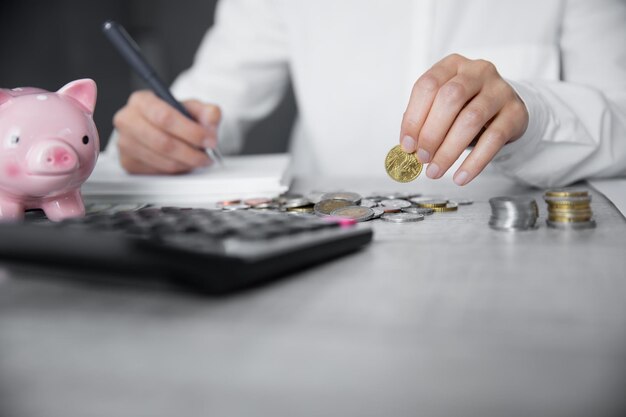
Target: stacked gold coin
(438,206)
(569,209)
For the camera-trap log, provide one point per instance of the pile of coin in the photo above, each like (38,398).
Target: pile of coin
(513,213)
(569,209)
(391,207)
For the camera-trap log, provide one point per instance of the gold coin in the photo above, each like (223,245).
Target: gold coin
(402,166)
(433,203)
(564,192)
(562,219)
(576,206)
(447,208)
(305,209)
(569,211)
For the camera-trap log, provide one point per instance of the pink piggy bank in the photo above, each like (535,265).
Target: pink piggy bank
(48,147)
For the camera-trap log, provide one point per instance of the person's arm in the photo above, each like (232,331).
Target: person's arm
(241,67)
(577,127)
(543,133)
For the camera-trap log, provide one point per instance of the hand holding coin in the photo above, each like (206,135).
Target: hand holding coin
(455,101)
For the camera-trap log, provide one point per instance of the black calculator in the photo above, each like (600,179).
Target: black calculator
(201,249)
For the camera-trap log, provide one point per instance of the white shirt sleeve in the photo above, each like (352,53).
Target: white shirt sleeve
(577,126)
(247,86)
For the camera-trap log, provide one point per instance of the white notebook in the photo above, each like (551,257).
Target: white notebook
(240,177)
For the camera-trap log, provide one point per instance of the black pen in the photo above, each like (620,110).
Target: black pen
(129,49)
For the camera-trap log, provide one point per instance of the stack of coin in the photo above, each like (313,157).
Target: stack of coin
(569,209)
(513,213)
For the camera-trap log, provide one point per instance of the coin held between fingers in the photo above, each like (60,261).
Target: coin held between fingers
(402,166)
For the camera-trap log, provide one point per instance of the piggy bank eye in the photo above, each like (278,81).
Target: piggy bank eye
(85,139)
(14,140)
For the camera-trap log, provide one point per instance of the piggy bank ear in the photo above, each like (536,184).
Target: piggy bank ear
(4,97)
(84,91)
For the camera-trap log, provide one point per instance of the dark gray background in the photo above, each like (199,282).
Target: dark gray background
(49,43)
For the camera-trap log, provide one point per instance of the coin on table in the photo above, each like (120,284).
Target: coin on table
(402,217)
(418,210)
(566,192)
(235,207)
(358,213)
(308,209)
(296,202)
(343,195)
(447,208)
(402,166)
(378,211)
(253,202)
(436,203)
(325,207)
(395,203)
(225,203)
(366,202)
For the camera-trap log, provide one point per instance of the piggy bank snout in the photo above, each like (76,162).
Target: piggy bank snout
(52,157)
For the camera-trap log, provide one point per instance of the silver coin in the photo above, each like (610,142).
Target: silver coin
(426,198)
(434,202)
(378,211)
(315,196)
(402,217)
(343,195)
(513,213)
(395,203)
(368,203)
(418,210)
(358,213)
(283,198)
(267,206)
(296,202)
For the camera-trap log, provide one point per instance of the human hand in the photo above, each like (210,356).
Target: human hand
(155,138)
(452,103)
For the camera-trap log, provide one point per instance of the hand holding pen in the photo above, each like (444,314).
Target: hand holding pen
(157,134)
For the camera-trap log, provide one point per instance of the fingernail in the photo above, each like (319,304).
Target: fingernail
(461,178)
(208,143)
(423,155)
(433,170)
(408,144)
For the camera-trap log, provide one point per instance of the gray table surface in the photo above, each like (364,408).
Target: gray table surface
(445,317)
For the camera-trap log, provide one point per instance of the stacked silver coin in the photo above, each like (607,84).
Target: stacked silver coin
(513,213)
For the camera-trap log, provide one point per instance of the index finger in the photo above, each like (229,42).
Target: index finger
(166,118)
(422,97)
